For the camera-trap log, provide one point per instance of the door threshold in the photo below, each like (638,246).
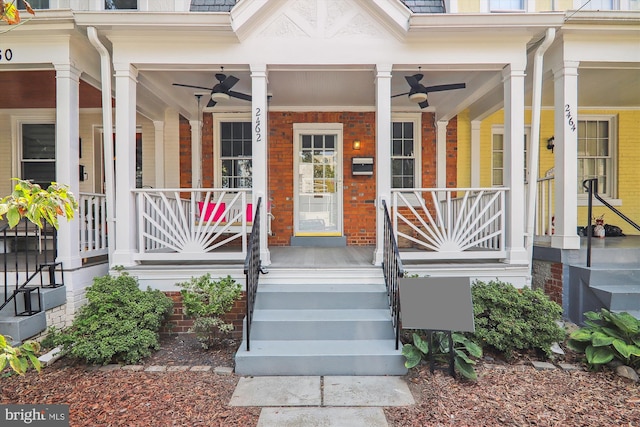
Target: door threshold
(319,242)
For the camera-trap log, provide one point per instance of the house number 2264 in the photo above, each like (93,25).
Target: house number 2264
(6,55)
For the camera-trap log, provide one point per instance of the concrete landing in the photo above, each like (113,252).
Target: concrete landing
(310,401)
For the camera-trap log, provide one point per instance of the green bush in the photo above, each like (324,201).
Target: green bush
(509,319)
(608,336)
(19,358)
(206,300)
(120,322)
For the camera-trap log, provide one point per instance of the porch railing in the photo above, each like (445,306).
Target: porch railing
(93,224)
(252,269)
(451,223)
(26,252)
(192,224)
(545,221)
(393,271)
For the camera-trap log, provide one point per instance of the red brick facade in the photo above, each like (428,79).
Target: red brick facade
(547,275)
(359,192)
(180,323)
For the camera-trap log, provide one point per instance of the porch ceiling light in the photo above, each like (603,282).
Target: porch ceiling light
(219,96)
(418,97)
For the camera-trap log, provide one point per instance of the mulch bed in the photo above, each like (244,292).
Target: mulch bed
(511,394)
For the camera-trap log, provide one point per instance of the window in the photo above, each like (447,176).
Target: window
(120,4)
(35,4)
(235,154)
(504,5)
(597,5)
(405,149)
(497,155)
(595,154)
(38,148)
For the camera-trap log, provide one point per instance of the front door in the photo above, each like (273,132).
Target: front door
(318,180)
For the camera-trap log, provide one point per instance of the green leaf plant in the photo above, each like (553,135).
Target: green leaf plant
(607,336)
(464,352)
(19,358)
(30,201)
(206,301)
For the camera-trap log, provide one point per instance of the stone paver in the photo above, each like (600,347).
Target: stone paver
(179,368)
(277,391)
(223,370)
(322,417)
(135,368)
(201,368)
(156,368)
(543,366)
(112,367)
(568,367)
(366,391)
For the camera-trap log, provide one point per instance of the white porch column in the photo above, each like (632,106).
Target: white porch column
(260,178)
(475,153)
(441,154)
(158,126)
(67,156)
(383,153)
(196,153)
(514,164)
(565,156)
(126,234)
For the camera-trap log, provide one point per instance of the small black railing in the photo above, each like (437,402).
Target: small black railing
(591,186)
(393,271)
(252,268)
(26,251)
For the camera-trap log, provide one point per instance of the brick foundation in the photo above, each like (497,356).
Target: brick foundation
(548,277)
(180,323)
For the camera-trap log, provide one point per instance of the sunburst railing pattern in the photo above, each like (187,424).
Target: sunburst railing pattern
(192,224)
(451,223)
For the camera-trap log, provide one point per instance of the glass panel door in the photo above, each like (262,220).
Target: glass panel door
(319,185)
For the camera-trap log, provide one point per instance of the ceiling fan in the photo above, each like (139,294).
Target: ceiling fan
(221,90)
(418,92)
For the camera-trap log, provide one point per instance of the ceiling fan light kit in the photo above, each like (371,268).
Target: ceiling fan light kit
(418,97)
(219,96)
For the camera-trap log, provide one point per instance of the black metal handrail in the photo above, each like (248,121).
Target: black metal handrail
(591,186)
(25,261)
(393,271)
(252,268)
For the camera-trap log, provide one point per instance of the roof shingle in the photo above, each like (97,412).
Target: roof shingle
(416,6)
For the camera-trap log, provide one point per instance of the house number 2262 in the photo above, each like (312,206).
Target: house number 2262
(6,55)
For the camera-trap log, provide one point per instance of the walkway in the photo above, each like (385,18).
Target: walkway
(328,401)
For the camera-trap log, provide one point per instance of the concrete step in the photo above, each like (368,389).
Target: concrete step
(314,296)
(618,297)
(322,276)
(20,328)
(346,324)
(320,357)
(49,298)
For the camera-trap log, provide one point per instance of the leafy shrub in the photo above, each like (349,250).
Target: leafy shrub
(463,364)
(608,336)
(206,300)
(19,358)
(120,322)
(509,319)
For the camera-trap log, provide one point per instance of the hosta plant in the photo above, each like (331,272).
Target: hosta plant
(463,348)
(607,336)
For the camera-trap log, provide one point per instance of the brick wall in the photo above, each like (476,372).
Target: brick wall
(180,323)
(548,277)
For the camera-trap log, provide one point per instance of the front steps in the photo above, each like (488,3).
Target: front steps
(20,328)
(320,325)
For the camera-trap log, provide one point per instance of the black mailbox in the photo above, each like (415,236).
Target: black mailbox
(362,166)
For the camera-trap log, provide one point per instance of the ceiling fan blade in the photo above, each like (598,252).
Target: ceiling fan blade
(239,95)
(400,94)
(440,88)
(211,103)
(228,83)
(424,104)
(191,86)
(414,81)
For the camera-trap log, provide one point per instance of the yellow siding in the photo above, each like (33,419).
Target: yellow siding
(464,150)
(5,155)
(469,6)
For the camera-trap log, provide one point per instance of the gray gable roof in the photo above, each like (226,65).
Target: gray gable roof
(417,6)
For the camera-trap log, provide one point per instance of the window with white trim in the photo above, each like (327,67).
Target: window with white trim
(598,5)
(235,154)
(596,148)
(506,5)
(38,153)
(35,4)
(497,155)
(405,152)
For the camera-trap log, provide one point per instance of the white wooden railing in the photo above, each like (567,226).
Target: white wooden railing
(192,224)
(92,209)
(451,223)
(545,221)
